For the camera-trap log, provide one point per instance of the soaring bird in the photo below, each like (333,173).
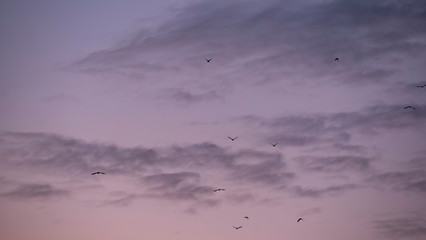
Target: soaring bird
(246,217)
(421,86)
(336,59)
(98,173)
(232,139)
(408,107)
(300,219)
(208,59)
(219,189)
(238,227)
(274,144)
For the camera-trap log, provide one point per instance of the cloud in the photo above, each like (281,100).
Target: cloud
(186,96)
(334,163)
(178,186)
(413,180)
(176,173)
(253,42)
(35,191)
(320,192)
(418,163)
(334,131)
(412,227)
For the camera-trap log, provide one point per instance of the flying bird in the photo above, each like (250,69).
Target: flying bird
(232,139)
(246,217)
(408,107)
(208,59)
(238,227)
(98,173)
(219,189)
(336,59)
(274,144)
(300,219)
(421,86)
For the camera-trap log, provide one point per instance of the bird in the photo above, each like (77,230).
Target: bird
(408,107)
(246,217)
(300,219)
(421,86)
(336,59)
(98,173)
(219,189)
(232,139)
(274,145)
(238,227)
(208,59)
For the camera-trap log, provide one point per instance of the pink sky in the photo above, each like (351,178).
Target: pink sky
(122,87)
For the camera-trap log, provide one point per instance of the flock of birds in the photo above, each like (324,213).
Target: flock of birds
(273,145)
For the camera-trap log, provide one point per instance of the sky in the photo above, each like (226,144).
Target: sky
(123,87)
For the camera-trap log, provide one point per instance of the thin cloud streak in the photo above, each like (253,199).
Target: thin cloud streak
(35,191)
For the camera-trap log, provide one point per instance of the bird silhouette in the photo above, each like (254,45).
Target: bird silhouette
(336,59)
(300,219)
(237,227)
(208,59)
(246,217)
(421,86)
(410,107)
(98,173)
(274,144)
(232,139)
(219,189)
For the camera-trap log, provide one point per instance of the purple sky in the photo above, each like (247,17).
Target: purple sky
(122,87)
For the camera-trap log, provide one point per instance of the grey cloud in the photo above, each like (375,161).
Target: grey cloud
(178,186)
(171,180)
(35,191)
(320,192)
(275,39)
(334,130)
(334,163)
(411,227)
(182,168)
(418,163)
(414,180)
(295,140)
(186,96)
(123,201)
(357,149)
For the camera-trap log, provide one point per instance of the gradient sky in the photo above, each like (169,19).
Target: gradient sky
(122,87)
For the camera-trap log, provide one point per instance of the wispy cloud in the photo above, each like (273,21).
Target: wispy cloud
(189,97)
(412,227)
(413,180)
(35,191)
(334,163)
(320,192)
(334,131)
(253,42)
(183,169)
